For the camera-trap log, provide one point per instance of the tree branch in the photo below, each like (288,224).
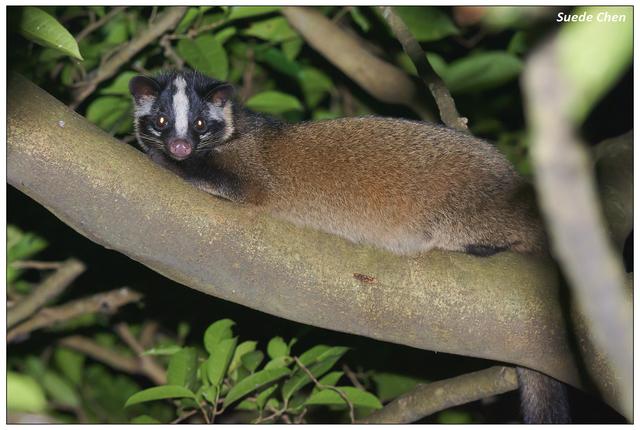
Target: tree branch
(98,352)
(446,105)
(148,365)
(503,308)
(50,288)
(103,302)
(99,23)
(427,399)
(577,232)
(382,80)
(165,22)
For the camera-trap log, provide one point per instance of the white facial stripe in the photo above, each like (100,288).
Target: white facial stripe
(215,113)
(181,107)
(143,107)
(228,121)
(154,132)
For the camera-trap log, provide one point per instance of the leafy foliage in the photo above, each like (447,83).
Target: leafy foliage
(229,374)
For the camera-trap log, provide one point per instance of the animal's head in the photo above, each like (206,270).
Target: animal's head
(182,113)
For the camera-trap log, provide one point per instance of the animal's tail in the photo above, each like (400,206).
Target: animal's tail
(543,399)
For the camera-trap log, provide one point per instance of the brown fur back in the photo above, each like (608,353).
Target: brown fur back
(401,185)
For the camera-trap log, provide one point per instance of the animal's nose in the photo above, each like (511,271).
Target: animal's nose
(180,148)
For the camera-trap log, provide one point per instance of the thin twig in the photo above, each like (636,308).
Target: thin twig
(99,23)
(341,13)
(50,288)
(150,368)
(148,333)
(352,377)
(100,353)
(165,22)
(427,399)
(170,53)
(247,76)
(107,302)
(328,387)
(38,265)
(185,416)
(446,105)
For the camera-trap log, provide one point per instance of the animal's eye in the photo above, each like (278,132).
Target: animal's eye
(199,124)
(161,122)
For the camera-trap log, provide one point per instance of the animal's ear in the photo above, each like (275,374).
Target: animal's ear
(220,94)
(141,86)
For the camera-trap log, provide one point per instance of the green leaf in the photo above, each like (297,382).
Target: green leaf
(254,382)
(274,30)
(59,390)
(210,393)
(239,12)
(274,102)
(144,419)
(246,405)
(278,61)
(315,85)
(282,361)
(21,245)
(117,32)
(218,362)
(42,28)
(358,397)
(163,350)
(594,55)
(225,34)
(242,349)
(186,21)
(111,113)
(216,332)
(291,48)
(481,71)
(264,395)
(252,360)
(453,416)
(120,85)
(277,347)
(182,368)
(330,379)
(391,385)
(427,23)
(359,18)
(323,363)
(205,54)
(70,363)
(312,354)
(24,394)
(160,392)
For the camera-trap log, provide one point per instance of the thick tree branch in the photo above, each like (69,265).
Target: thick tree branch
(446,105)
(427,399)
(504,307)
(50,288)
(577,230)
(382,80)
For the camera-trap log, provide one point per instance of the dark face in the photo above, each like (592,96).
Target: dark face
(182,114)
